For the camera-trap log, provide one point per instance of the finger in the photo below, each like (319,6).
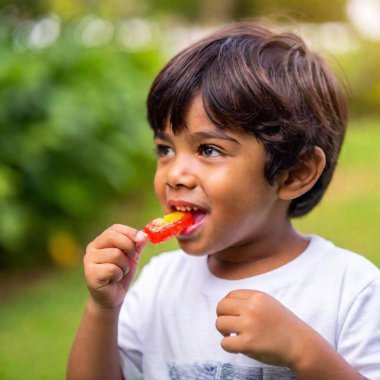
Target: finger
(141,239)
(105,273)
(138,237)
(111,238)
(232,344)
(227,325)
(242,293)
(112,256)
(230,306)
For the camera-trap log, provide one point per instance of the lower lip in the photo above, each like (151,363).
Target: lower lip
(199,221)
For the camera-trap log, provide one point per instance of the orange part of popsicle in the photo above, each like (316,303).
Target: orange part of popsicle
(161,229)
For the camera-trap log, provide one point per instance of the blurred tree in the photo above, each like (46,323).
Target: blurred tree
(24,9)
(311,11)
(112,9)
(211,11)
(190,10)
(204,11)
(73,143)
(362,68)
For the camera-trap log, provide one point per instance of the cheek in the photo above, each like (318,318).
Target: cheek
(240,193)
(159,184)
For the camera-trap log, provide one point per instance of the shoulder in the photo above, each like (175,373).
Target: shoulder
(347,266)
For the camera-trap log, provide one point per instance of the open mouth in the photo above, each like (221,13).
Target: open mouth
(199,216)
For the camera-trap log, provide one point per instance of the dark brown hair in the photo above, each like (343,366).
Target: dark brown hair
(266,82)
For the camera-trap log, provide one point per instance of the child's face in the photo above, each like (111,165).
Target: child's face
(222,173)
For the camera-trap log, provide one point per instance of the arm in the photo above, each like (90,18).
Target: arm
(94,354)
(255,324)
(110,264)
(318,359)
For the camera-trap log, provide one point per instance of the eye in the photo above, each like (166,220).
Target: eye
(209,151)
(164,150)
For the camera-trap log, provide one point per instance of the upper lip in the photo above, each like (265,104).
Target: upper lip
(174,203)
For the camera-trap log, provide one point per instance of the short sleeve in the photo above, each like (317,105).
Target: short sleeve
(359,340)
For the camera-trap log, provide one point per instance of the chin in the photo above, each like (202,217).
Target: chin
(196,248)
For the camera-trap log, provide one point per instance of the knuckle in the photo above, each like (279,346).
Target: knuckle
(89,247)
(251,307)
(259,296)
(90,273)
(219,307)
(217,323)
(248,323)
(87,257)
(111,272)
(115,253)
(231,293)
(258,302)
(112,269)
(256,299)
(111,232)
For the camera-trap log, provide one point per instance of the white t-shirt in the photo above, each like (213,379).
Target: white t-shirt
(167,322)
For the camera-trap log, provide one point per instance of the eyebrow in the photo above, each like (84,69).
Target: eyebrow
(199,136)
(161,135)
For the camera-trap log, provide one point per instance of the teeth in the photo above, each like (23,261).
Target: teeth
(186,208)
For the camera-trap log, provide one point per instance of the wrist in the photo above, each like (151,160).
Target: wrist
(97,311)
(308,352)
(315,350)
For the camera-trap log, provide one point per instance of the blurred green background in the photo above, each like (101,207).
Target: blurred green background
(76,153)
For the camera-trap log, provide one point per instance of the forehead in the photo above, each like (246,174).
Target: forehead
(198,124)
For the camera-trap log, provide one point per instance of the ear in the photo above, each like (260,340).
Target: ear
(300,179)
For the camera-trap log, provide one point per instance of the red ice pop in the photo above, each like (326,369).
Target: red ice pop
(161,229)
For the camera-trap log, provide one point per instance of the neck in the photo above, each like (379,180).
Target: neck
(269,251)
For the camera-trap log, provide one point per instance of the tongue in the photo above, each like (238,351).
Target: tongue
(198,218)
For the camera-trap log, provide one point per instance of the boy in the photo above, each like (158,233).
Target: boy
(248,125)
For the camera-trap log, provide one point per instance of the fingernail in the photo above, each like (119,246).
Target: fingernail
(141,240)
(140,236)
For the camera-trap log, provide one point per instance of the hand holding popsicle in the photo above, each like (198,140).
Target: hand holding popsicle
(111,258)
(110,264)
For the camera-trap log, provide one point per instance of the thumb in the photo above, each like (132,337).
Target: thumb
(140,241)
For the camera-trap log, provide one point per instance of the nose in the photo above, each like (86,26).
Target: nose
(181,174)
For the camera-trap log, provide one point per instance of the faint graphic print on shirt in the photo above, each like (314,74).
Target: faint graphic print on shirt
(227,371)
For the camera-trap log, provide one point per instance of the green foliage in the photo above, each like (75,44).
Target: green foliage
(73,141)
(301,10)
(193,10)
(362,69)
(38,327)
(349,214)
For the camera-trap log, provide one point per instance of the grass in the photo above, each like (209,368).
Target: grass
(37,326)
(38,322)
(350,212)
